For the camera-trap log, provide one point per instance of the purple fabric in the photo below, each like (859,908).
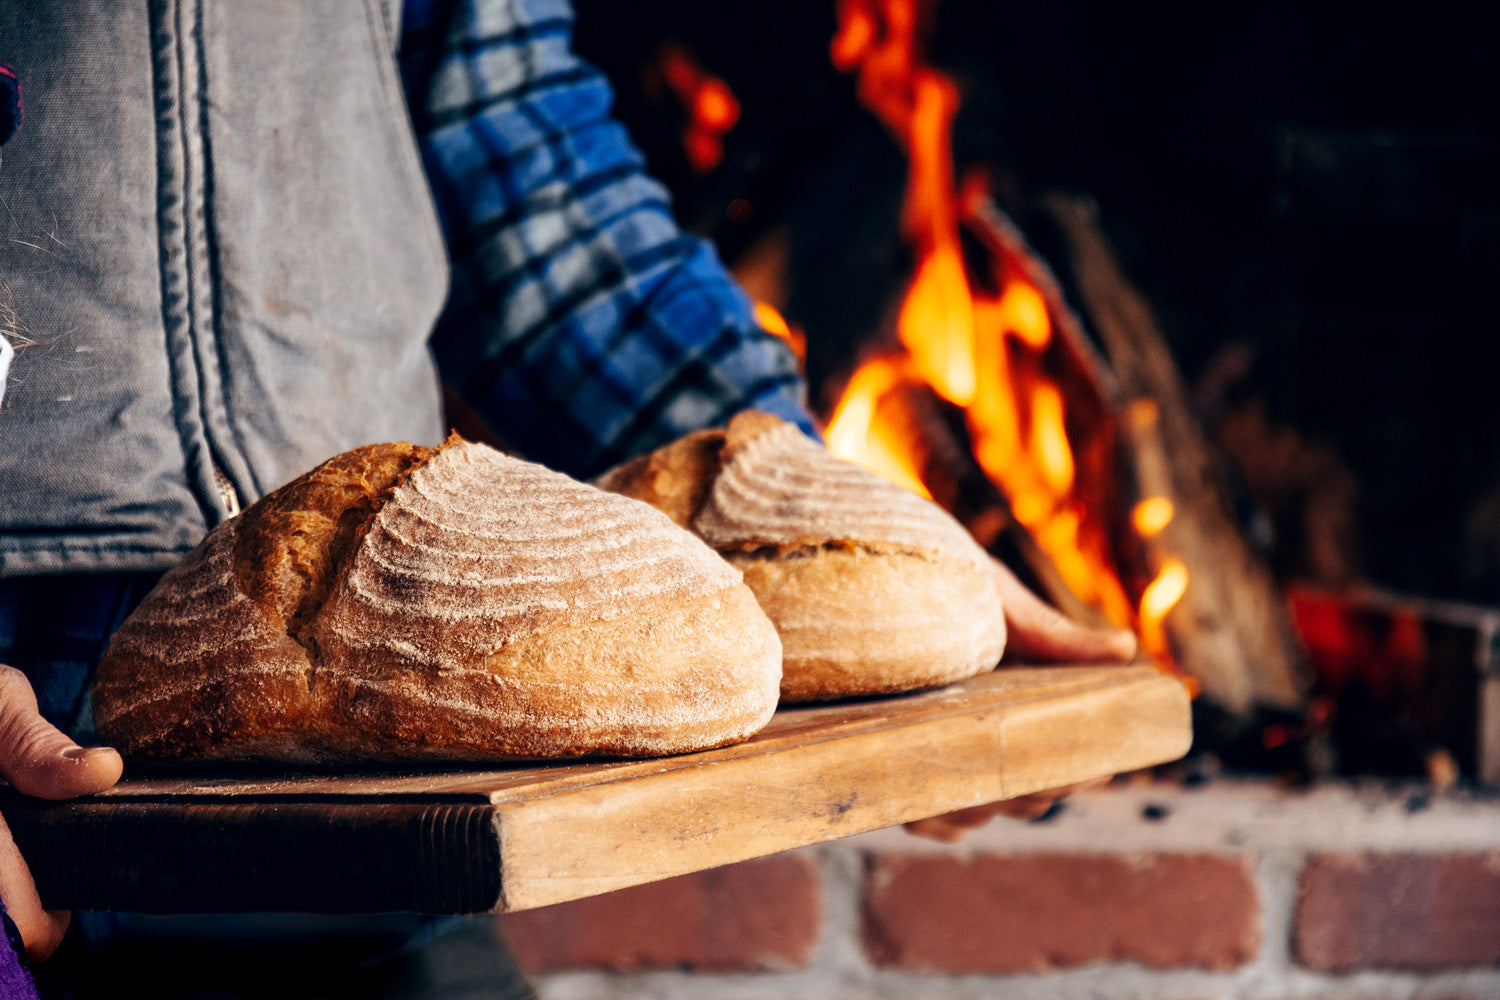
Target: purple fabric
(15,980)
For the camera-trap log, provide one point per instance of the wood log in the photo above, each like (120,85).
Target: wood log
(1230,630)
(1092,415)
(933,431)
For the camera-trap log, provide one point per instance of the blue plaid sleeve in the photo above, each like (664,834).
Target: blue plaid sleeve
(582,324)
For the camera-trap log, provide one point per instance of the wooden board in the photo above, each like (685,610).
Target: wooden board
(467,841)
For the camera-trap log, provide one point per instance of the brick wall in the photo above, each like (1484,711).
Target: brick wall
(1231,891)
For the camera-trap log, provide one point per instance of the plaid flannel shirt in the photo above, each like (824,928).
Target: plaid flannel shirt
(582,324)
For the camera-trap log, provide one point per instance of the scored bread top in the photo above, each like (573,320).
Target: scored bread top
(523,549)
(402,603)
(762,483)
(289,546)
(872,588)
(778,488)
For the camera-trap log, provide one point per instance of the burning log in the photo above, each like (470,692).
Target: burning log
(919,423)
(1085,469)
(1230,629)
(1096,457)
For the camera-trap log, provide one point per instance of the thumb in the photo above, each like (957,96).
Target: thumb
(1039,633)
(37,758)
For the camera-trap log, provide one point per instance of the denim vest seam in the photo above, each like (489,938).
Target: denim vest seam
(145,488)
(199,256)
(385,63)
(172,225)
(59,557)
(233,465)
(75,545)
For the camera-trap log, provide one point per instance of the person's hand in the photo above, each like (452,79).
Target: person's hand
(950,827)
(1036,632)
(39,760)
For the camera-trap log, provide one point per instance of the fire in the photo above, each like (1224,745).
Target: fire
(711,107)
(1151,516)
(1049,440)
(936,325)
(1022,313)
(981,352)
(770,320)
(1161,596)
(877,41)
(854,432)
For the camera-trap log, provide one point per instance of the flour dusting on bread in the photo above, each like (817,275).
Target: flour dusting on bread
(401,603)
(498,549)
(872,588)
(780,488)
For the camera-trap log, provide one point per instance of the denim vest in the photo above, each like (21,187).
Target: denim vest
(219,263)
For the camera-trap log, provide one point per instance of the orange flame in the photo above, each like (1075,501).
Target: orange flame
(1023,314)
(1151,516)
(854,433)
(771,321)
(936,325)
(711,107)
(981,353)
(1160,597)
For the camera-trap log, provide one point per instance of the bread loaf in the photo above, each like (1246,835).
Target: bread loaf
(872,588)
(401,603)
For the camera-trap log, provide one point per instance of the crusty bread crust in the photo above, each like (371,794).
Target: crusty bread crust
(404,604)
(675,478)
(873,589)
(860,621)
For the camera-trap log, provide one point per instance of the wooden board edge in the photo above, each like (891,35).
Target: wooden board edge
(1138,722)
(287,857)
(1000,688)
(661,826)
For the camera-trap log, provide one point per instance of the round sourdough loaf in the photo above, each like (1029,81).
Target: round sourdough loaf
(401,603)
(872,588)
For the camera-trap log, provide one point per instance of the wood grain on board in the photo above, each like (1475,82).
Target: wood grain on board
(513,838)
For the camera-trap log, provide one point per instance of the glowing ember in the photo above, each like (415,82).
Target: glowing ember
(1152,515)
(714,106)
(711,107)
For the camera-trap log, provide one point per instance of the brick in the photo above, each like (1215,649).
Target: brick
(1033,912)
(1411,912)
(755,915)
